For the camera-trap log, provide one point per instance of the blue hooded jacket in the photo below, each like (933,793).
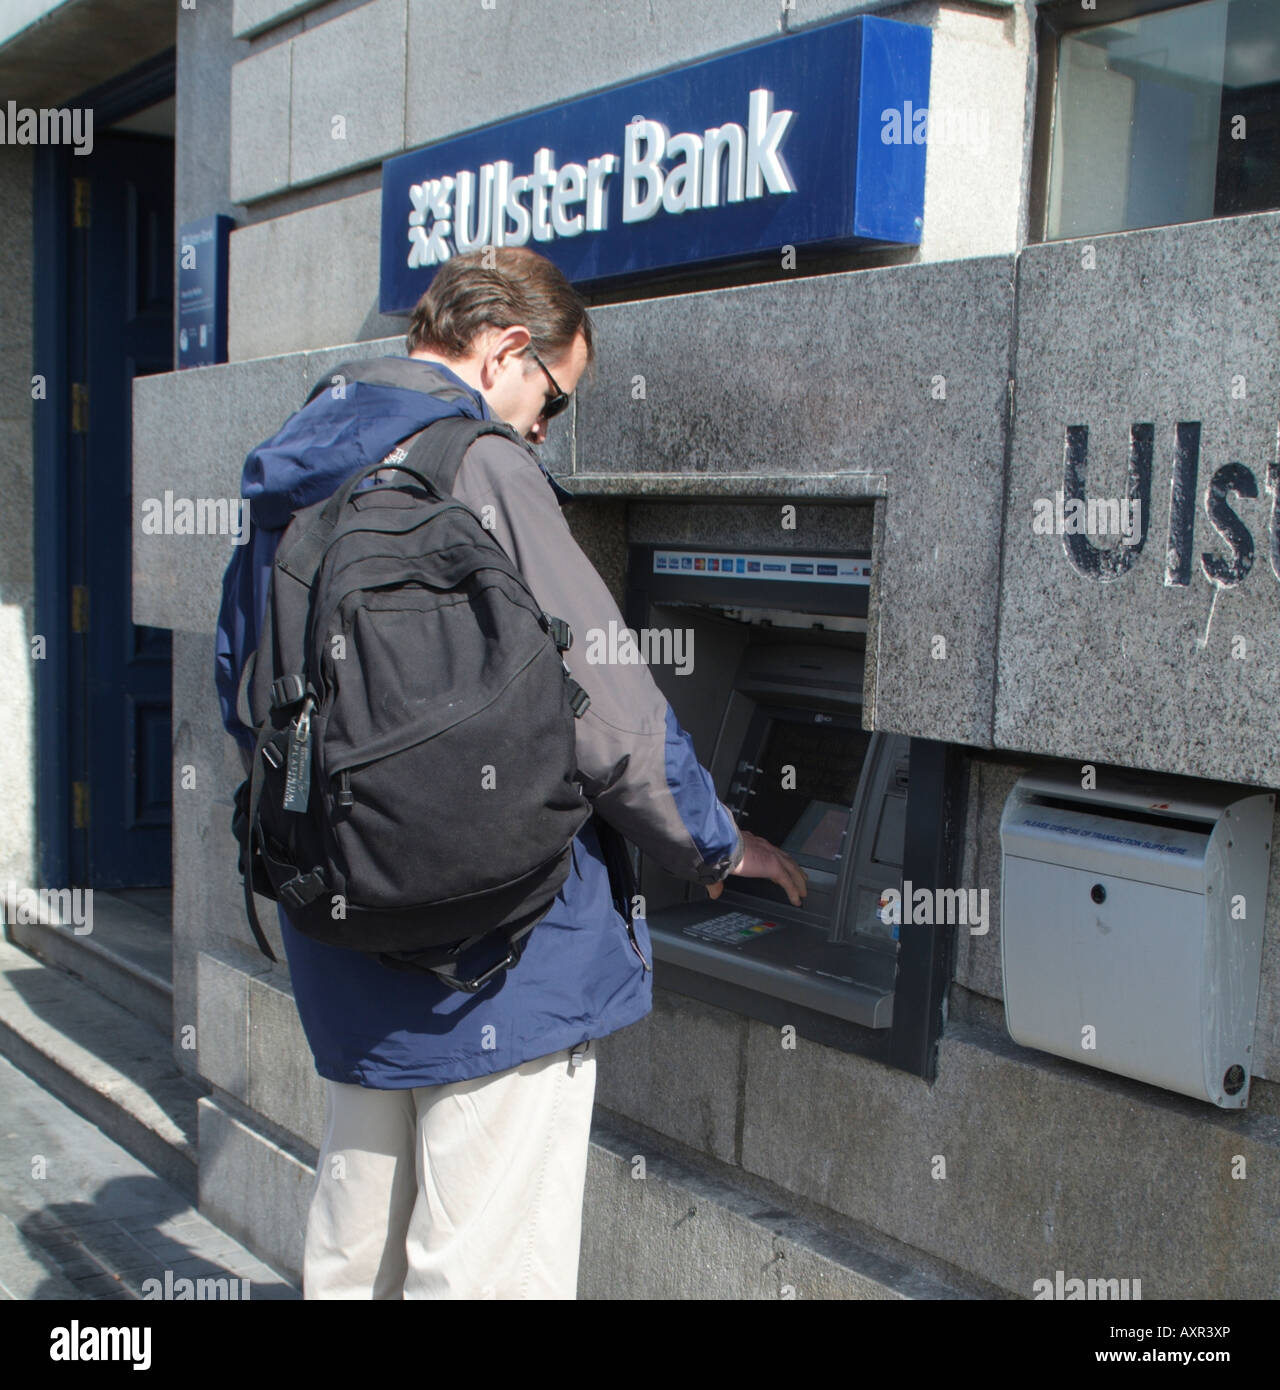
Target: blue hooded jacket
(581,975)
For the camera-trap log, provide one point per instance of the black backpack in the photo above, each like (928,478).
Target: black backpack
(413,784)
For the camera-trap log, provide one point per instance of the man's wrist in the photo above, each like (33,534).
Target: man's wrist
(739,855)
(717,870)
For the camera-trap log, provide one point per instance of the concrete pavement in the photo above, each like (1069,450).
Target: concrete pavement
(80,1218)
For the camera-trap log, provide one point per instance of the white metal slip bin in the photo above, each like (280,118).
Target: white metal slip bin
(1131,919)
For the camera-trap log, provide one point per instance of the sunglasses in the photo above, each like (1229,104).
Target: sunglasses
(554,404)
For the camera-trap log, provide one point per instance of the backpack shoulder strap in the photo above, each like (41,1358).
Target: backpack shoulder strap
(438,450)
(410,374)
(436,453)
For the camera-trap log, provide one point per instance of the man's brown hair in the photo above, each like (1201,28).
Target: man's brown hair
(499,287)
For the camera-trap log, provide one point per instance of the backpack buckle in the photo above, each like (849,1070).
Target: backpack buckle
(288,690)
(273,750)
(303,890)
(479,982)
(561,632)
(579,700)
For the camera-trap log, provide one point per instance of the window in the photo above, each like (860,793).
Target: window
(1166,116)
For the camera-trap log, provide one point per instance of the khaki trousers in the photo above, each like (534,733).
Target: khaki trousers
(467,1190)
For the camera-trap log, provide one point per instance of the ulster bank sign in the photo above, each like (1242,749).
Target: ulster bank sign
(804,141)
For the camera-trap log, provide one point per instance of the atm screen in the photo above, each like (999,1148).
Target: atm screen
(805,783)
(820,831)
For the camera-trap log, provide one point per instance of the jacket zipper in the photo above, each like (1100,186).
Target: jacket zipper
(635,946)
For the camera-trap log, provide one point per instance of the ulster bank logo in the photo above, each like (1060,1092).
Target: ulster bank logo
(1127,521)
(660,173)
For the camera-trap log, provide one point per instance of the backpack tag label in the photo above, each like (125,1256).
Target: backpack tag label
(297,778)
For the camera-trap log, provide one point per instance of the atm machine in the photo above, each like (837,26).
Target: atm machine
(772,699)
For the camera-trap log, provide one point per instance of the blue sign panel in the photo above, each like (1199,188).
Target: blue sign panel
(202,291)
(813,140)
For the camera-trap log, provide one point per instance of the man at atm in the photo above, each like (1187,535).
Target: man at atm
(456,1132)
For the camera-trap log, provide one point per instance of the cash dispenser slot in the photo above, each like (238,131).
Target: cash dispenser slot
(773,703)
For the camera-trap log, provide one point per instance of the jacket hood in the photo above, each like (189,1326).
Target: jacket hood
(333,436)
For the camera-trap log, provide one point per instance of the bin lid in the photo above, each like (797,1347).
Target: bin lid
(1164,855)
(1189,798)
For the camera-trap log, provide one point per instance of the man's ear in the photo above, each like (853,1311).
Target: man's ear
(507,341)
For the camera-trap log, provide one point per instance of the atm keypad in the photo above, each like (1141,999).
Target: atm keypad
(733,929)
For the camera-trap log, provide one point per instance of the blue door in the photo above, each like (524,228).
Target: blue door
(120,321)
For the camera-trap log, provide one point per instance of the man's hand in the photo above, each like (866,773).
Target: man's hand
(763,860)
